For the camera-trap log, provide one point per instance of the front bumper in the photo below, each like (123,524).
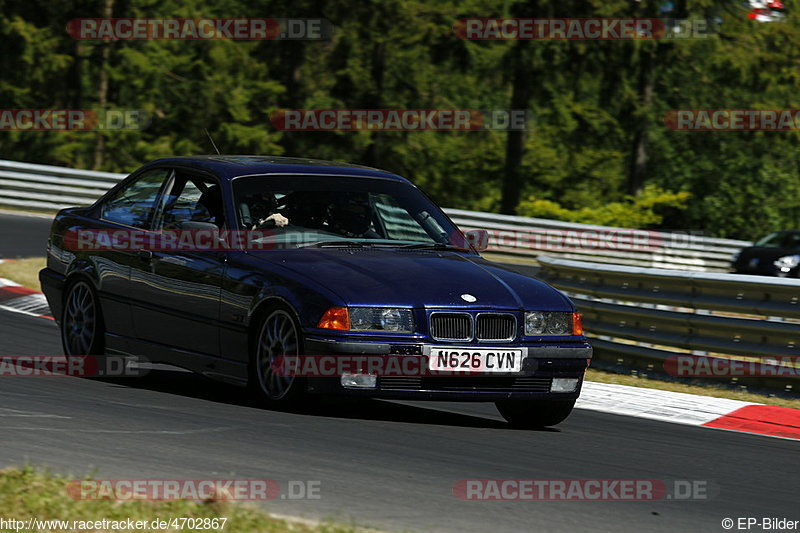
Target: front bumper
(540,365)
(763,268)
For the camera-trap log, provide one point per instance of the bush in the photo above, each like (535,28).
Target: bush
(643,210)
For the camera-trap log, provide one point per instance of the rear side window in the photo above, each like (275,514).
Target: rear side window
(134,204)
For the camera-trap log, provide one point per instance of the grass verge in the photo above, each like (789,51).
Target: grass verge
(45,213)
(601,376)
(23,271)
(27,493)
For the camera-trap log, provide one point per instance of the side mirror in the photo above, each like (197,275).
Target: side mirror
(198,235)
(478,238)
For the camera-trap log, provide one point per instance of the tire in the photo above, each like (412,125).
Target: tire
(277,334)
(82,328)
(530,414)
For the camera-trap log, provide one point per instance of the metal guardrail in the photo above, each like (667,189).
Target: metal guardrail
(512,238)
(48,187)
(640,317)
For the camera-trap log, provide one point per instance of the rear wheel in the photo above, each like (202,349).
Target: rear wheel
(278,339)
(82,331)
(528,414)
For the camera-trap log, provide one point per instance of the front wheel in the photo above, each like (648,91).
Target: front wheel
(278,338)
(529,414)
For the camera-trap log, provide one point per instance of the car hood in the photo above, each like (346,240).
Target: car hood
(371,276)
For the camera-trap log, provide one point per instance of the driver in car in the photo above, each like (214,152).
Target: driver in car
(264,210)
(351,216)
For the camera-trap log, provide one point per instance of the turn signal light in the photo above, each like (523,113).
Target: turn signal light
(577,325)
(335,318)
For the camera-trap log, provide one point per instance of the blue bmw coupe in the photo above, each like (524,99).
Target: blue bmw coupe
(297,277)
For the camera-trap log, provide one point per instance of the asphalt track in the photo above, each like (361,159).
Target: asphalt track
(23,236)
(390,465)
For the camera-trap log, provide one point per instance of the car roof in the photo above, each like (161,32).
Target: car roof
(231,166)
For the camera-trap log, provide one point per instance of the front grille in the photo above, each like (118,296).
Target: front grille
(400,383)
(468,383)
(451,326)
(496,327)
(532,384)
(487,383)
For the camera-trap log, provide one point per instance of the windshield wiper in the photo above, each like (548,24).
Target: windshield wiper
(336,244)
(433,246)
(368,243)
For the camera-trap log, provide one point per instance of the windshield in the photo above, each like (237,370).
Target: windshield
(299,211)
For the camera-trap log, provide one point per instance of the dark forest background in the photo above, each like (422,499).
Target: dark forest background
(598,150)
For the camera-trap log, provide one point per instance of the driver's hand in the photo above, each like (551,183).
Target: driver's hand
(277,220)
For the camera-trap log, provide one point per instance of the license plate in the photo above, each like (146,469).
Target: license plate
(475,359)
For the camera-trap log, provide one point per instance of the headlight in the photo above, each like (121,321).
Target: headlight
(535,322)
(381,319)
(788,262)
(548,323)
